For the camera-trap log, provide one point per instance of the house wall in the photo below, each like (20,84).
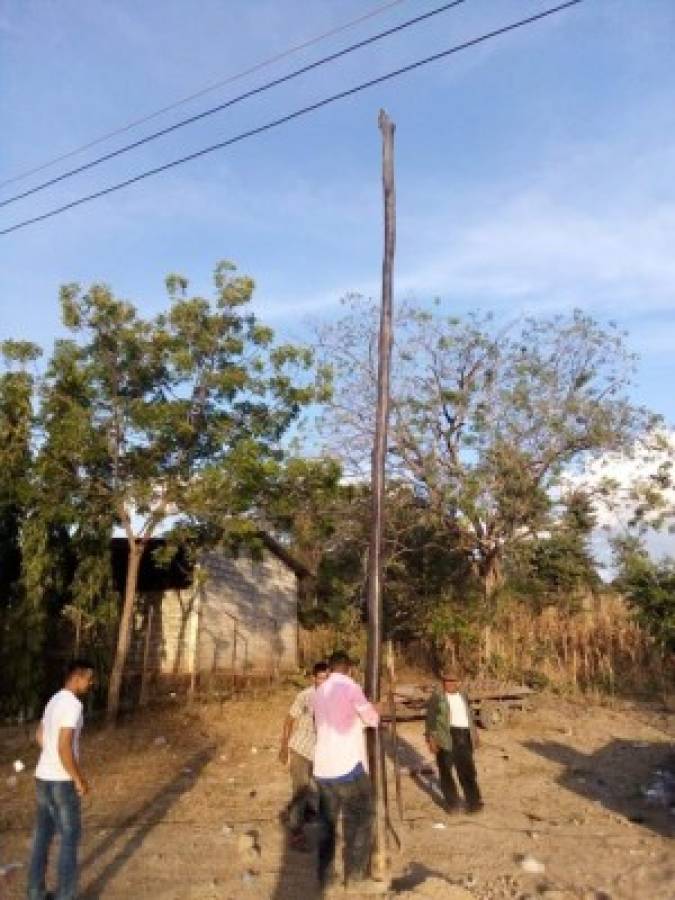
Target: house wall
(248,612)
(239,611)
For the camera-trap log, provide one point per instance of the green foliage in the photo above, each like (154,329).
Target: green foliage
(556,569)
(485,422)
(146,420)
(302,500)
(22,619)
(649,587)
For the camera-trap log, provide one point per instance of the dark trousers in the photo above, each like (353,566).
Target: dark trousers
(460,757)
(304,799)
(58,812)
(355,800)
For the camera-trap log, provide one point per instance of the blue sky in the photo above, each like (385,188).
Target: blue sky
(534,173)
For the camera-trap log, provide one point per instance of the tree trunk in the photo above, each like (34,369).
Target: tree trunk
(78,632)
(136,549)
(147,646)
(491,574)
(490,571)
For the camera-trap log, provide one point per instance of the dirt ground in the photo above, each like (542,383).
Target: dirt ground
(185,804)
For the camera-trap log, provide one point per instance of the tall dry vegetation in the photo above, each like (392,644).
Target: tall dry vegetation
(600,650)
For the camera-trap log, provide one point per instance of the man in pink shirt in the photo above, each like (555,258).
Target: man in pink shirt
(341,714)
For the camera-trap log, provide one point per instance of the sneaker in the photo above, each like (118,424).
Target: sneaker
(475,807)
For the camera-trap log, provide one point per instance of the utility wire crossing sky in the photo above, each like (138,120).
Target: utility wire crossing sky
(275,122)
(229,103)
(278,57)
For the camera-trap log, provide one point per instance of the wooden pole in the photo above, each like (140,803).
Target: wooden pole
(195,622)
(234,657)
(145,671)
(375,567)
(391,682)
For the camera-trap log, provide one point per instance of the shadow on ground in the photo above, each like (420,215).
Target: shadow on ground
(616,776)
(416,767)
(297,879)
(133,829)
(415,876)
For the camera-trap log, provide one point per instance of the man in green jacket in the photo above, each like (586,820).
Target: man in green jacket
(452,738)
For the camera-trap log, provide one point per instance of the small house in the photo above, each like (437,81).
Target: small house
(230,616)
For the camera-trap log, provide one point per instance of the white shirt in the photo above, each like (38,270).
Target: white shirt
(459,715)
(341,712)
(64,710)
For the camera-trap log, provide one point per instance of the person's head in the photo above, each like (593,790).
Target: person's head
(450,681)
(339,661)
(320,673)
(79,677)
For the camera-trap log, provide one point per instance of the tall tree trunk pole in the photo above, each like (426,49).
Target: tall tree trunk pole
(375,567)
(136,549)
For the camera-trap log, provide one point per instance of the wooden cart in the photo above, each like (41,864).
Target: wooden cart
(492,702)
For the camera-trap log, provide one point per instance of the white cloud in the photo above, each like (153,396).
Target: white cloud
(547,246)
(627,470)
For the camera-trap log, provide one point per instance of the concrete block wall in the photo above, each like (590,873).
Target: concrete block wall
(173,637)
(248,614)
(241,611)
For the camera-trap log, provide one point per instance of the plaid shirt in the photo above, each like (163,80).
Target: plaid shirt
(303,736)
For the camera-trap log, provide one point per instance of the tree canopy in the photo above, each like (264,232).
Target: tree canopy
(485,420)
(177,417)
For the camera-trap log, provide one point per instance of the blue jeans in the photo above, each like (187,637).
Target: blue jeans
(354,799)
(58,811)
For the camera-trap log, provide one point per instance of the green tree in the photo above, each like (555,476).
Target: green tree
(649,587)
(21,614)
(302,502)
(485,421)
(182,415)
(557,567)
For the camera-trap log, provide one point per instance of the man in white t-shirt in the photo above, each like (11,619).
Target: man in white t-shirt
(60,784)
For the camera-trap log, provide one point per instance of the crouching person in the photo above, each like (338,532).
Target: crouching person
(298,740)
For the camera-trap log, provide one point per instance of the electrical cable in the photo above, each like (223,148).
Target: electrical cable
(20,176)
(268,126)
(229,103)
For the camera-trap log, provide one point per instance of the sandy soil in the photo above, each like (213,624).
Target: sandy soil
(185,805)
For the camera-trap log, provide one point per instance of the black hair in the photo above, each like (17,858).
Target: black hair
(78,665)
(320,667)
(339,659)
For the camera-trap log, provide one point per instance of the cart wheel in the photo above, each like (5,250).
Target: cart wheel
(491,715)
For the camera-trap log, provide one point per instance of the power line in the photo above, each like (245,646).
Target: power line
(206,90)
(229,103)
(268,126)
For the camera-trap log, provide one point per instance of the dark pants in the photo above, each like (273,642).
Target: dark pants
(304,799)
(354,799)
(461,758)
(58,811)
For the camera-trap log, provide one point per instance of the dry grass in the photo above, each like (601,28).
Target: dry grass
(600,649)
